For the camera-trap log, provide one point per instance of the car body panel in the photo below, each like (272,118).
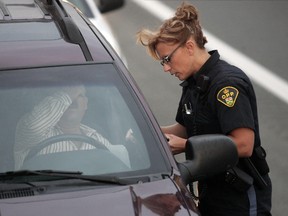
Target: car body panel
(29,48)
(26,51)
(139,199)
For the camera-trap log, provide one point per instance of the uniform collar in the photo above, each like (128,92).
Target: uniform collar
(204,70)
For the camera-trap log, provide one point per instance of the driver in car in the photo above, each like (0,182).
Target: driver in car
(60,113)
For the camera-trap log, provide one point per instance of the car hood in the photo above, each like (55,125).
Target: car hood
(142,199)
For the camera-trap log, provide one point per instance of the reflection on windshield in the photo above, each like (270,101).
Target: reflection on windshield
(94,128)
(65,111)
(60,113)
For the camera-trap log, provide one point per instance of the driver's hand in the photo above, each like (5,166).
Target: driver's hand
(129,136)
(75,91)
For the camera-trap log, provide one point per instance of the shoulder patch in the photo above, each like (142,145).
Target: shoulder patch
(228,96)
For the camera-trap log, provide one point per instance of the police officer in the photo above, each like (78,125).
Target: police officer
(217,98)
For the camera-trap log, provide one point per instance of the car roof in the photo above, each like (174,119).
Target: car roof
(40,32)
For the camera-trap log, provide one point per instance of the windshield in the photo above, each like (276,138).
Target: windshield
(80,118)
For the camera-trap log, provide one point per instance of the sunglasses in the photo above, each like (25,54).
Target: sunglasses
(167,59)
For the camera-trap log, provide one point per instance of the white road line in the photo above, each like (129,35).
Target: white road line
(258,73)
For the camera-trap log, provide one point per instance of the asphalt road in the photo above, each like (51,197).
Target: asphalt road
(258,30)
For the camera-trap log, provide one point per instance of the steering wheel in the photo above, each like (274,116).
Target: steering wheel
(64,137)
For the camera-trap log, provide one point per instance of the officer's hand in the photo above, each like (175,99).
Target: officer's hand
(177,144)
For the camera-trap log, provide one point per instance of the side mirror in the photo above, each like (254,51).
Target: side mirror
(109,5)
(207,155)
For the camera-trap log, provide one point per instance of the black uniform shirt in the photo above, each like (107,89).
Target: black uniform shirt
(223,103)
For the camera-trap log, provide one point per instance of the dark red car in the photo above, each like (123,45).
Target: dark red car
(77,137)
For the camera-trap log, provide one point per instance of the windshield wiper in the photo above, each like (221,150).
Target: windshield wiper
(12,175)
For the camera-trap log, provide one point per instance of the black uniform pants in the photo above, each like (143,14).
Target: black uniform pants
(221,199)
